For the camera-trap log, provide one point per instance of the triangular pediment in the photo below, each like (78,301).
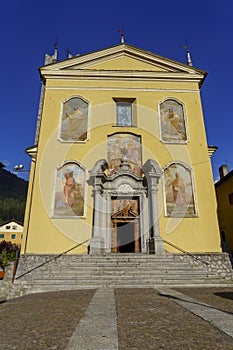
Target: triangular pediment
(122,57)
(122,62)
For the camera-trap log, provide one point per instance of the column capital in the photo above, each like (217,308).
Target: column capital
(151,168)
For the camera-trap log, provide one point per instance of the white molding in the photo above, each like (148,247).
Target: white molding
(123,75)
(84,88)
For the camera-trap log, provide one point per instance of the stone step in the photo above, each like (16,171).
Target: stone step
(136,278)
(120,267)
(51,267)
(70,274)
(118,278)
(118,271)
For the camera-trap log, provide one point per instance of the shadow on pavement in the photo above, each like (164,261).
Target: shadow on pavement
(195,302)
(226,295)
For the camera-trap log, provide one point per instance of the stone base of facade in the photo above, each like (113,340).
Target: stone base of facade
(41,273)
(97,246)
(155,246)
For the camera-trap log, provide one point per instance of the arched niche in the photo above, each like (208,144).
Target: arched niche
(74,120)
(69,191)
(172,119)
(179,191)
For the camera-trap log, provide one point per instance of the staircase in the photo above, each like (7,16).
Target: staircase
(68,272)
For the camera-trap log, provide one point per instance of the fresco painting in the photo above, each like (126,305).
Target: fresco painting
(179,191)
(124,114)
(128,145)
(69,191)
(125,207)
(172,122)
(74,121)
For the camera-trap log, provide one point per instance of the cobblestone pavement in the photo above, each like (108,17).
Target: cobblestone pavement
(42,321)
(159,323)
(221,298)
(145,320)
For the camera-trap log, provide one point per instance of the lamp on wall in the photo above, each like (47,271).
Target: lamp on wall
(20,168)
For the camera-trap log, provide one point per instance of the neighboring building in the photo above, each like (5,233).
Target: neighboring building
(224,193)
(120,157)
(11,231)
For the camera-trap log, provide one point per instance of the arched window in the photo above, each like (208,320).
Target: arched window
(128,145)
(74,120)
(69,190)
(178,190)
(172,122)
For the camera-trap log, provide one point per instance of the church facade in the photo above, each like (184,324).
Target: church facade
(121,161)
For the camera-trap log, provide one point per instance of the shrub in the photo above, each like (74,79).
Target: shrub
(8,252)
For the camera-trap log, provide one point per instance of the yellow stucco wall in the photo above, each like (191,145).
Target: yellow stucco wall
(45,234)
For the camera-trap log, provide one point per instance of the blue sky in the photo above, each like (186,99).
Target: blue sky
(29,29)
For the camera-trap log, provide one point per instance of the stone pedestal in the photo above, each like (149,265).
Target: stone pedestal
(151,246)
(97,245)
(155,245)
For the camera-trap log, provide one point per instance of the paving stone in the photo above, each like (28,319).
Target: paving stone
(145,319)
(221,298)
(42,321)
(220,319)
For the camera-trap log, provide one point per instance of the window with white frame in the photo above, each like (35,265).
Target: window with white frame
(124,114)
(125,111)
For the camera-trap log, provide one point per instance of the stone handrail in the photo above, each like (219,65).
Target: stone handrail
(51,259)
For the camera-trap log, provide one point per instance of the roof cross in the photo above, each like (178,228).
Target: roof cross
(122,35)
(190,63)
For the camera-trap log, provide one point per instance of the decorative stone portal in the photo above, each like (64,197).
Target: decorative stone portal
(125,206)
(125,233)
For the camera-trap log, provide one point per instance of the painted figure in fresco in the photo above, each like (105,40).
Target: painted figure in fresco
(68,189)
(124,145)
(178,188)
(173,119)
(76,120)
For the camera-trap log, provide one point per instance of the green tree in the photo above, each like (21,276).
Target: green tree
(8,252)
(13,192)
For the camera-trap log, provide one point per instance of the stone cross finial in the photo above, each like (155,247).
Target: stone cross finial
(122,35)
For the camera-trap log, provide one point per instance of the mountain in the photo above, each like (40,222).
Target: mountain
(13,193)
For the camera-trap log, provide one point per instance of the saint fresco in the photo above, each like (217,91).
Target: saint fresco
(172,122)
(179,191)
(74,122)
(69,191)
(127,145)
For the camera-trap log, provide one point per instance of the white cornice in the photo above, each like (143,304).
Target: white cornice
(121,75)
(212,150)
(32,151)
(112,88)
